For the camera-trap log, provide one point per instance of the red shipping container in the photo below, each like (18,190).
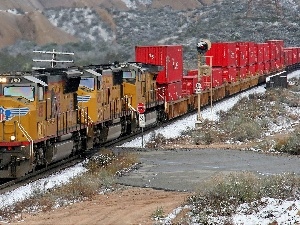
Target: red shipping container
(171,91)
(252,53)
(267,66)
(295,55)
(217,74)
(272,65)
(259,68)
(205,80)
(169,56)
(278,64)
(217,79)
(272,47)
(192,72)
(298,51)
(241,54)
(279,43)
(229,74)
(266,52)
(260,52)
(223,53)
(276,48)
(251,70)
(242,72)
(189,84)
(288,57)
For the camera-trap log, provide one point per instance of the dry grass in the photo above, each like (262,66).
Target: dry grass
(221,195)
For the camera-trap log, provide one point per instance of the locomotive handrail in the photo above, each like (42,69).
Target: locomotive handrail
(162,97)
(27,137)
(86,114)
(130,107)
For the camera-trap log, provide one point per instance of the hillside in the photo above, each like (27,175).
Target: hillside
(16,14)
(107,30)
(32,26)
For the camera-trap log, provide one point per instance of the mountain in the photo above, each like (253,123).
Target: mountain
(26,20)
(105,30)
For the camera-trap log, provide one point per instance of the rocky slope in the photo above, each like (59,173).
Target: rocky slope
(107,30)
(25,20)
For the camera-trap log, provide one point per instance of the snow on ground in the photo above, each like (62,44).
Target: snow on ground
(27,191)
(209,113)
(285,212)
(133,4)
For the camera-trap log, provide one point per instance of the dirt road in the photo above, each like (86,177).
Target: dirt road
(125,206)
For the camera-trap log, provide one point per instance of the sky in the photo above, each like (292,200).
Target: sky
(285,212)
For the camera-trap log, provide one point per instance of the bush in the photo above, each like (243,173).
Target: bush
(247,130)
(158,213)
(156,140)
(292,143)
(221,195)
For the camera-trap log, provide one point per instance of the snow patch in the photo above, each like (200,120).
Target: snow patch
(133,3)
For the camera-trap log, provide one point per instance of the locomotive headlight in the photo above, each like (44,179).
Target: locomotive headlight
(12,138)
(3,79)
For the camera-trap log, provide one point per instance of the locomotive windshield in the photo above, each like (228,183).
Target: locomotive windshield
(19,91)
(87,82)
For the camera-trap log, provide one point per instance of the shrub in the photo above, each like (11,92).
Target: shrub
(221,195)
(156,140)
(247,130)
(292,143)
(158,213)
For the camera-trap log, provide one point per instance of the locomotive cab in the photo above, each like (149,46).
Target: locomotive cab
(19,97)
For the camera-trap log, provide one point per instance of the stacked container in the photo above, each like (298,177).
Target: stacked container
(252,58)
(288,56)
(224,58)
(276,54)
(169,81)
(266,58)
(241,59)
(260,64)
(292,55)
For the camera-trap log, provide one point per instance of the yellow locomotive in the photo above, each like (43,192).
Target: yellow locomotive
(111,94)
(40,121)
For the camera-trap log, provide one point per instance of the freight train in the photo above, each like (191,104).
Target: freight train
(47,115)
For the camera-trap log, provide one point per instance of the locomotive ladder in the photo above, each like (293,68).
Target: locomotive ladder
(84,113)
(22,129)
